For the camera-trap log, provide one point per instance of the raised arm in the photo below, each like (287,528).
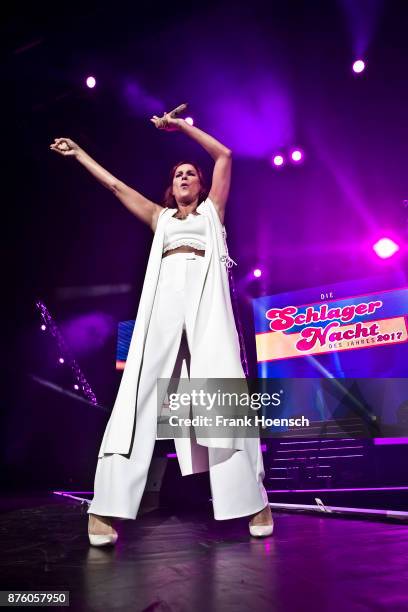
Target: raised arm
(146,210)
(222,156)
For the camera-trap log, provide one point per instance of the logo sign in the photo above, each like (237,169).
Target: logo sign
(335,325)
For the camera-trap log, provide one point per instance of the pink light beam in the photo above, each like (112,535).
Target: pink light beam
(91,82)
(296,156)
(358,66)
(278,160)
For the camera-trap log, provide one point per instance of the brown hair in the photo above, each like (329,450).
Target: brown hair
(169,199)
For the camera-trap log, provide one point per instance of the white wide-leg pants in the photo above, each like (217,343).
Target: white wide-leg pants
(235,479)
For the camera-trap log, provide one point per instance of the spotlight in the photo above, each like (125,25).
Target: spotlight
(358,66)
(257,273)
(61,360)
(385,247)
(278,160)
(296,156)
(76,387)
(189,120)
(43,327)
(91,82)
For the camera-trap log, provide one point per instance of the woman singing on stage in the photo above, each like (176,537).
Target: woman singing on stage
(185,301)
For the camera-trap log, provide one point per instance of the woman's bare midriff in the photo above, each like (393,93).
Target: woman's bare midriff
(184,249)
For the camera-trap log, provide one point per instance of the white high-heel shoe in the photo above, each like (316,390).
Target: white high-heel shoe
(102,539)
(261,531)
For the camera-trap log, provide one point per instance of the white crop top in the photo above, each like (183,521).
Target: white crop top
(185,232)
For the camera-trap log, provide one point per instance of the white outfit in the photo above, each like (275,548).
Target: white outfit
(186,292)
(187,232)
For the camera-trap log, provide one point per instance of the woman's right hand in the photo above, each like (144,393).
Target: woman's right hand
(169,122)
(65,146)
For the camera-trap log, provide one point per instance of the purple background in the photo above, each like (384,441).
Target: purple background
(262,77)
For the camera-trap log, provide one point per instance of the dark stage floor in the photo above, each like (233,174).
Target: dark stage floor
(166,561)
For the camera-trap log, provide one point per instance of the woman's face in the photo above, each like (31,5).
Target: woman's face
(186,184)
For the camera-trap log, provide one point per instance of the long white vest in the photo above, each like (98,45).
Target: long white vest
(215,350)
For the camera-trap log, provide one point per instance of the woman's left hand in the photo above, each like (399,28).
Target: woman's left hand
(169,122)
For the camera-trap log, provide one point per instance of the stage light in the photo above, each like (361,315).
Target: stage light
(91,82)
(358,66)
(296,156)
(278,160)
(257,272)
(76,387)
(385,247)
(43,327)
(55,332)
(189,120)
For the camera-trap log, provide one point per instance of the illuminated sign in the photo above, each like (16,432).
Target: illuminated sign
(336,325)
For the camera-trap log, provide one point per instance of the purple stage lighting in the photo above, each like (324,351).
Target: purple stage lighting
(257,272)
(91,82)
(296,156)
(76,387)
(358,66)
(61,360)
(385,247)
(278,160)
(43,327)
(189,120)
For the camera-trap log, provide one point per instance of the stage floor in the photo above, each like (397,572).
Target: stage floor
(168,561)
